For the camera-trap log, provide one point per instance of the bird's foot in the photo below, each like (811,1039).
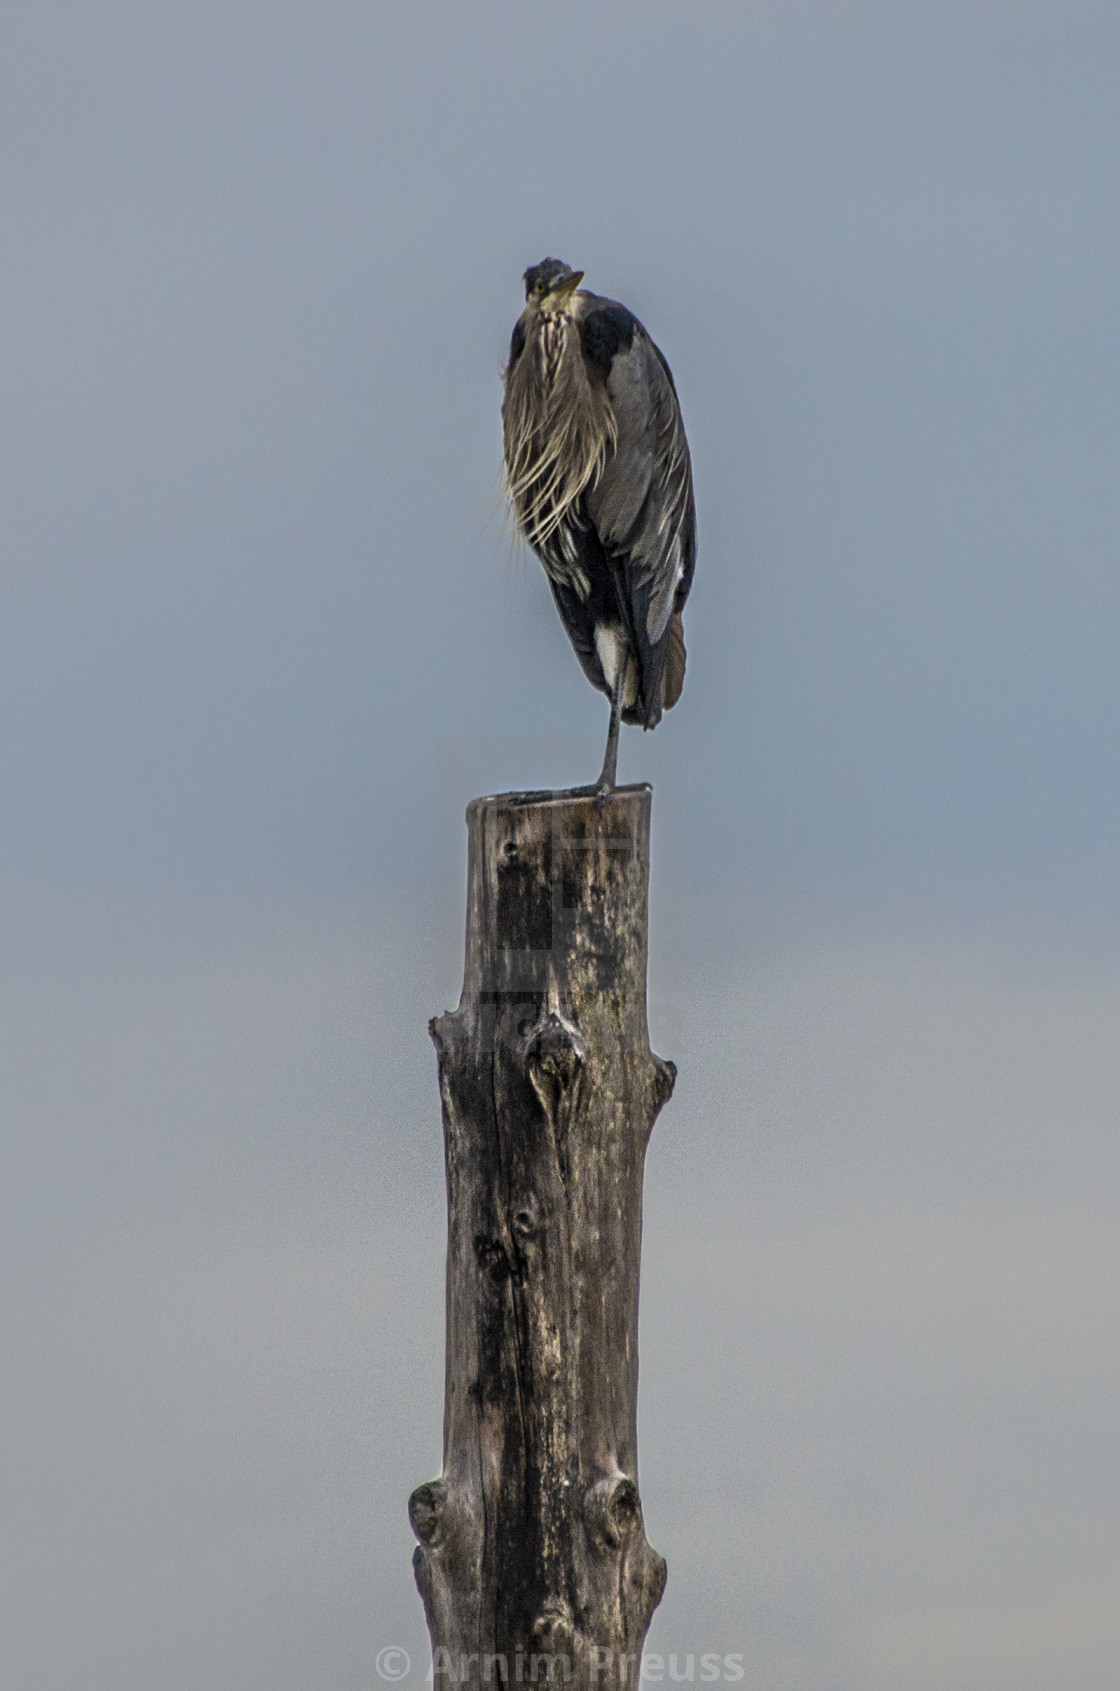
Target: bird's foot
(601,790)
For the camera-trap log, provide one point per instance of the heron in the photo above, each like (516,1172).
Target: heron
(599,479)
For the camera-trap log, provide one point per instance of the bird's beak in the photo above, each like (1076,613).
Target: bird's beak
(568,286)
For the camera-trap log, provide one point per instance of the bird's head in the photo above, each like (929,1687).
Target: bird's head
(551,284)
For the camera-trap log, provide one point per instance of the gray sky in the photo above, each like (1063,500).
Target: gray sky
(261,637)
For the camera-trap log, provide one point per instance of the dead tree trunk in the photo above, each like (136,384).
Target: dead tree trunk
(532,1541)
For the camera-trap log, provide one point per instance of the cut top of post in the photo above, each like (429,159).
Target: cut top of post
(558,892)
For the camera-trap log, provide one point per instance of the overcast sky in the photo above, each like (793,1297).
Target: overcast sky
(262,636)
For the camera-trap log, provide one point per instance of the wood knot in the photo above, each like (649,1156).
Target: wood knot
(526,1224)
(649,1580)
(613,1510)
(556,1046)
(427,1513)
(491,1256)
(553,1632)
(442,1030)
(664,1079)
(554,1054)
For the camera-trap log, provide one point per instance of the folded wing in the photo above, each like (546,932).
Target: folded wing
(641,504)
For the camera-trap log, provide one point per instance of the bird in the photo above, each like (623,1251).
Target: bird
(598,476)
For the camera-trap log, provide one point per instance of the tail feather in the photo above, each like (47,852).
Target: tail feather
(672,675)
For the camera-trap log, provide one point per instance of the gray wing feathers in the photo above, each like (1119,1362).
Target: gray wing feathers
(641,503)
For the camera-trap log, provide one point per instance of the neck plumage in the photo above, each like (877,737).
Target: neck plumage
(556,330)
(558,426)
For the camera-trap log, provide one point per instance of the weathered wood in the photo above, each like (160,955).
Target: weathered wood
(532,1540)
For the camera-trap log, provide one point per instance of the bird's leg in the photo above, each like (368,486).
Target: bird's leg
(605,782)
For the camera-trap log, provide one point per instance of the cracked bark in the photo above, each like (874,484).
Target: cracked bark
(532,1540)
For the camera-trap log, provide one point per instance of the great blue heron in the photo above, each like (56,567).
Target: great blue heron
(600,481)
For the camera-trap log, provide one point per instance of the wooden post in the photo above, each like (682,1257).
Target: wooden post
(531,1542)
